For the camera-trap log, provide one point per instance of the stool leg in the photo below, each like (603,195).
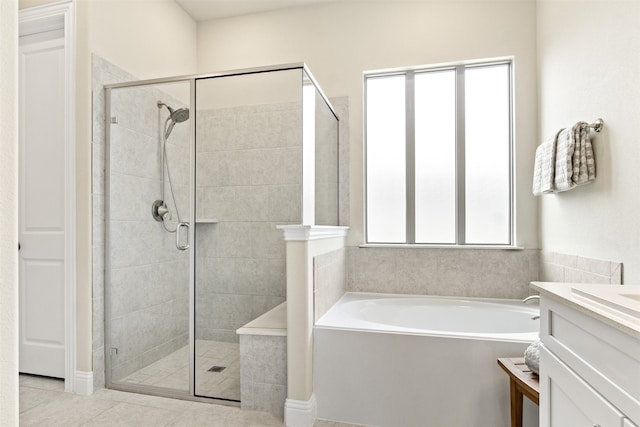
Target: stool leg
(516,404)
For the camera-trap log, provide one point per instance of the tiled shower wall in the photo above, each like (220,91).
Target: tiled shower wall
(148,275)
(326,173)
(103,73)
(249,169)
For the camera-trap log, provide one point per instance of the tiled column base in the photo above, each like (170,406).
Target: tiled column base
(263,362)
(263,373)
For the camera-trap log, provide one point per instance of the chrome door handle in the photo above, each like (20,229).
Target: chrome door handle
(179,245)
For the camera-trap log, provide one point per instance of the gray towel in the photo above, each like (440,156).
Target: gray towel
(575,163)
(584,166)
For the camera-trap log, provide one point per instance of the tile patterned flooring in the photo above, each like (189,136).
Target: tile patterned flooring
(43,402)
(172,371)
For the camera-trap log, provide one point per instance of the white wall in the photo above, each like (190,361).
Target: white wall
(9,212)
(148,39)
(589,67)
(341,40)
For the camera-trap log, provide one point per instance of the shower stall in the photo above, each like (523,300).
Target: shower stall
(200,170)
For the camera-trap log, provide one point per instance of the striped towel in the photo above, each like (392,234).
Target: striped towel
(584,165)
(575,164)
(565,148)
(544,167)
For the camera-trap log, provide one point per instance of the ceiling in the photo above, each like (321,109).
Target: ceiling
(203,10)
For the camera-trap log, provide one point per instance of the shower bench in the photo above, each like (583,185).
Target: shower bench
(263,362)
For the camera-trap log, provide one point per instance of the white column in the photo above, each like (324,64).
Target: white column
(303,242)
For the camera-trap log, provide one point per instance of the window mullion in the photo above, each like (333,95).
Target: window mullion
(410,158)
(460,157)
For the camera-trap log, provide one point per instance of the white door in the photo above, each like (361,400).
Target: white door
(42,205)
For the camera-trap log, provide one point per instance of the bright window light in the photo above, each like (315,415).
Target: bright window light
(439,156)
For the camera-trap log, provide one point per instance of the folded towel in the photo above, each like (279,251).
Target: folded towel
(565,148)
(544,167)
(575,164)
(584,167)
(532,357)
(564,161)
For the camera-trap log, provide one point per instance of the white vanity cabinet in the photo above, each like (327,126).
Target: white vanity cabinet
(589,363)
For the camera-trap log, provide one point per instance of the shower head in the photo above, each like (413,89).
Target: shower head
(175,116)
(180,115)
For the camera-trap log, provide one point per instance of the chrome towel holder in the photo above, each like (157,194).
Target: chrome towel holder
(597,125)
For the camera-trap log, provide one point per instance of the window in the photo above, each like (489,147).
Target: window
(439,155)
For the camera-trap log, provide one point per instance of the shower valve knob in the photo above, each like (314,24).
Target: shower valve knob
(159,211)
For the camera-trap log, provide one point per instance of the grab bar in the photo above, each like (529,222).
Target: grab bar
(179,245)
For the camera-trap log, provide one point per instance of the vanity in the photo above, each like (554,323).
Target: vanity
(590,357)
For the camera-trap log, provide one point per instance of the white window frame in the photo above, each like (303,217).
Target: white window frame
(409,73)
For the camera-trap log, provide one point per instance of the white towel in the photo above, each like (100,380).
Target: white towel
(564,161)
(544,167)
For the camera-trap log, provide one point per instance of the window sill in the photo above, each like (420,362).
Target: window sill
(425,246)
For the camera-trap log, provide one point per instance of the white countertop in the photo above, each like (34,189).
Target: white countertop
(614,305)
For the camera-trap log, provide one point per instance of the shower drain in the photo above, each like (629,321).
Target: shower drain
(216,368)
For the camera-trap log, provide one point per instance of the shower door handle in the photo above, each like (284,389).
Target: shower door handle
(179,245)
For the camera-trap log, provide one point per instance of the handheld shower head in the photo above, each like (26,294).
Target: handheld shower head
(175,116)
(180,115)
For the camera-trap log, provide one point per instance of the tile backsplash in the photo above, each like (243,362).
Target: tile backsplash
(441,271)
(557,267)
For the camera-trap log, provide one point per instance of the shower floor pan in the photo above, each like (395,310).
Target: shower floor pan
(217,370)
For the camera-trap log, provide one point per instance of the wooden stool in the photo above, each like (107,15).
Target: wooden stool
(522,382)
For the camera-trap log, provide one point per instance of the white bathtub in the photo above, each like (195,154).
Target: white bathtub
(398,361)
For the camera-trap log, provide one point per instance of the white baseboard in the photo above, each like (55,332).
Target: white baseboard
(300,413)
(83,383)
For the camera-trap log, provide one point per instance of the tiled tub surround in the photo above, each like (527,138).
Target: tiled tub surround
(491,273)
(557,267)
(329,280)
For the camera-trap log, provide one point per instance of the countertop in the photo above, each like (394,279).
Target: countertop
(619,317)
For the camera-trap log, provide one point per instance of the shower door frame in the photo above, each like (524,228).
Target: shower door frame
(191,79)
(137,388)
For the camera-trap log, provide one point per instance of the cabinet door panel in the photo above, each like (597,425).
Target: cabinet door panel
(571,400)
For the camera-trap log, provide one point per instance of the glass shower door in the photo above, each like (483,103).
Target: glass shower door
(248,181)
(147,224)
